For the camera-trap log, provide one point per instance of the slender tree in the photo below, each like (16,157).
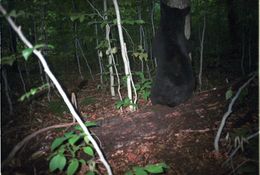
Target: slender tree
(110,56)
(128,73)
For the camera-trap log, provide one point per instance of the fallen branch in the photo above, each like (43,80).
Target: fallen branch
(195,131)
(29,137)
(226,115)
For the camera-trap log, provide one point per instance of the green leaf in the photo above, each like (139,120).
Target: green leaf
(88,150)
(87,124)
(127,102)
(162,165)
(50,46)
(129,173)
(145,56)
(81,18)
(37,46)
(57,142)
(82,161)
(13,13)
(8,60)
(119,104)
(146,95)
(155,169)
(74,139)
(74,17)
(62,149)
(69,134)
(33,91)
(90,173)
(229,94)
(73,166)
(114,50)
(57,162)
(135,54)
(90,124)
(139,21)
(27,52)
(86,139)
(103,24)
(139,171)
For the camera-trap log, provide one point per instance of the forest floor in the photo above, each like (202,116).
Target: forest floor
(188,148)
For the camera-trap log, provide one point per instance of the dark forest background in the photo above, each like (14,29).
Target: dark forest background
(77,51)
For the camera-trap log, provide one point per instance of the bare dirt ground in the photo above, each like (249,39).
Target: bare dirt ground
(182,137)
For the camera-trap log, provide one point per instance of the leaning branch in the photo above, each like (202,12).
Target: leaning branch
(226,115)
(59,88)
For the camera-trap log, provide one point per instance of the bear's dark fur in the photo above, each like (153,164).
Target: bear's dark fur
(174,78)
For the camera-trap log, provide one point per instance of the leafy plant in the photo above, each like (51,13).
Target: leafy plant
(140,54)
(28,51)
(33,91)
(148,169)
(123,103)
(243,94)
(16,14)
(143,87)
(229,94)
(67,148)
(8,60)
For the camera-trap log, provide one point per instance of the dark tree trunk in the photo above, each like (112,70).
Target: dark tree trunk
(13,40)
(233,27)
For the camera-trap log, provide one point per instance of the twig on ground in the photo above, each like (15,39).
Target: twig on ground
(239,146)
(29,137)
(195,131)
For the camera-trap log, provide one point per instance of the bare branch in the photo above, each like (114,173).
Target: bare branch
(226,115)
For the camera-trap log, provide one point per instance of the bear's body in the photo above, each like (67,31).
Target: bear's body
(174,78)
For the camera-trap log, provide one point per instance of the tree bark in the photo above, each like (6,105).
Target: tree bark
(233,26)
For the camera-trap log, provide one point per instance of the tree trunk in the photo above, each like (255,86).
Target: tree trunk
(233,26)
(128,73)
(110,56)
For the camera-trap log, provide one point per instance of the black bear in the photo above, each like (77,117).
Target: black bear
(174,78)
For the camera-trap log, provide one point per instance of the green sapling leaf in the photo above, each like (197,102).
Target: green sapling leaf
(27,52)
